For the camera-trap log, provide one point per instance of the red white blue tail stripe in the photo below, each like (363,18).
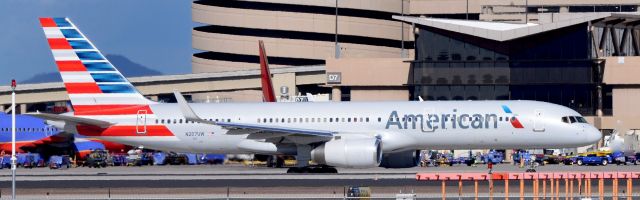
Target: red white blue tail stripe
(94,85)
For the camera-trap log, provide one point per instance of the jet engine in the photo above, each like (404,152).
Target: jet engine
(349,152)
(403,159)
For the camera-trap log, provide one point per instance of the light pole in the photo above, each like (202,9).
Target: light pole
(336,36)
(13,139)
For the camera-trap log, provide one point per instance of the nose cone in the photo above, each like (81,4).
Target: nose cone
(592,135)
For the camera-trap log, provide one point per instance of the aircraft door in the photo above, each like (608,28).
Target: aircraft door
(427,124)
(538,121)
(141,122)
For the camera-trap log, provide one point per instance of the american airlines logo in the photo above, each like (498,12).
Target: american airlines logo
(514,120)
(453,120)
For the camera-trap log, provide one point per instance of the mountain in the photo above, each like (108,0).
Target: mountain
(127,67)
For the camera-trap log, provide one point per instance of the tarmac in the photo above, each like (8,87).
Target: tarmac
(238,182)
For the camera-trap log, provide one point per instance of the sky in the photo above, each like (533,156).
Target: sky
(153,33)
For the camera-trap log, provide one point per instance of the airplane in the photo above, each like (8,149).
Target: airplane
(331,134)
(34,135)
(30,131)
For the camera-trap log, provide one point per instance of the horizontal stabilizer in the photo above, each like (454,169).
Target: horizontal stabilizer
(71,119)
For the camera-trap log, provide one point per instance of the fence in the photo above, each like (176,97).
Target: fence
(583,181)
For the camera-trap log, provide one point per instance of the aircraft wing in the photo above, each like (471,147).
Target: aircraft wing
(250,128)
(72,119)
(276,129)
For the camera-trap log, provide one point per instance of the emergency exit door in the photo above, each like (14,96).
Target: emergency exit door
(538,121)
(141,122)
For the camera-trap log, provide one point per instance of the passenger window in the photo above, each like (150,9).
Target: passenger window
(379,119)
(367,119)
(330,119)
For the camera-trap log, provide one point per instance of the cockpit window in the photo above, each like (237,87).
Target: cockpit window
(581,120)
(574,119)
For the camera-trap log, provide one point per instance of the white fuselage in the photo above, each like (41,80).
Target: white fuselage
(449,125)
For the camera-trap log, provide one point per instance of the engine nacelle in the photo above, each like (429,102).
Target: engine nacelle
(404,159)
(349,152)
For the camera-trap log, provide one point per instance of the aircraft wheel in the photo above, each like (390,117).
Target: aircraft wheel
(293,170)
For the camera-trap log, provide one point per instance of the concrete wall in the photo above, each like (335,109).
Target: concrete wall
(459,6)
(370,71)
(379,94)
(296,21)
(622,70)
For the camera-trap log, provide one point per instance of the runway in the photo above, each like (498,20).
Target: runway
(208,181)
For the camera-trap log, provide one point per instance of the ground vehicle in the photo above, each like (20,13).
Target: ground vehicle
(177,159)
(635,158)
(356,192)
(594,159)
(552,159)
(569,160)
(619,158)
(119,159)
(97,158)
(29,160)
(219,159)
(159,158)
(493,157)
(144,159)
(521,157)
(58,162)
(468,160)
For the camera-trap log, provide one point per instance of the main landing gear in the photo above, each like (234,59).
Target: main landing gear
(310,169)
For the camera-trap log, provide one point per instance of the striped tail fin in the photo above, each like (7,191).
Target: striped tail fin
(268,94)
(94,85)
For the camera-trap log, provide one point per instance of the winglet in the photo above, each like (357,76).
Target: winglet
(186,110)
